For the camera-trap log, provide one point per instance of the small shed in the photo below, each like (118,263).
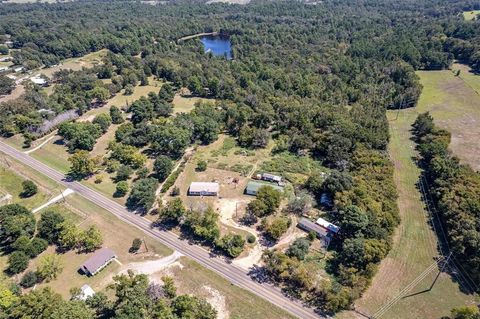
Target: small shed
(86,292)
(253,187)
(203,189)
(271,178)
(309,226)
(98,261)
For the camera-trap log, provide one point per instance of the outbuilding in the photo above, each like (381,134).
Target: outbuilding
(309,226)
(328,225)
(98,261)
(86,292)
(271,178)
(253,187)
(203,189)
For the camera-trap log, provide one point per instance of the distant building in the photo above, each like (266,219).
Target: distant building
(328,225)
(39,81)
(86,291)
(3,68)
(309,226)
(271,178)
(98,261)
(203,189)
(253,187)
(18,69)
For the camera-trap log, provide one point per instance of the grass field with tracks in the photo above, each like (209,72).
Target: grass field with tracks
(455,106)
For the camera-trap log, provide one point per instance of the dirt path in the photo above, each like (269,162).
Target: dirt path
(41,144)
(152,266)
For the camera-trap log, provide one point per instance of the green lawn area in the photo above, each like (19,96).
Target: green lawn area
(183,104)
(226,155)
(454,103)
(11,183)
(414,246)
(470,15)
(54,154)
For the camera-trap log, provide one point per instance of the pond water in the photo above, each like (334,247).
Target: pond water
(219,46)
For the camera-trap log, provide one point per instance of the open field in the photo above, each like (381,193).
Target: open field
(75,64)
(470,15)
(415,243)
(454,103)
(184,104)
(240,304)
(11,184)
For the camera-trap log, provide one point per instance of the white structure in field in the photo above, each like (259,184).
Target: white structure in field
(203,189)
(87,291)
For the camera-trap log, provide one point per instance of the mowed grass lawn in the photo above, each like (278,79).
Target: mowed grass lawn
(414,247)
(184,104)
(454,103)
(470,15)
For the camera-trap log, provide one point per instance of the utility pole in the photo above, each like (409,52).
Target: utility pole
(440,271)
(145,243)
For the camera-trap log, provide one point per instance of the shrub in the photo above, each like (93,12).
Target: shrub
(123,173)
(276,227)
(136,244)
(232,244)
(121,189)
(201,166)
(36,247)
(29,189)
(299,248)
(17,262)
(142,173)
(251,239)
(163,167)
(29,279)
(175,191)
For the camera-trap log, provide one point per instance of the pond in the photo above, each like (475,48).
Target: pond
(218,46)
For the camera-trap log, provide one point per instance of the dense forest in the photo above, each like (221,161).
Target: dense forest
(317,79)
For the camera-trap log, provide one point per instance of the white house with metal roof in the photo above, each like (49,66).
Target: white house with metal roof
(203,189)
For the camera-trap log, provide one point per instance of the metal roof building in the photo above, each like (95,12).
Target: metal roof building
(328,225)
(203,189)
(253,187)
(271,177)
(98,261)
(309,226)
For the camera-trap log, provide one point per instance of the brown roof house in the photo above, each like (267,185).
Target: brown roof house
(98,261)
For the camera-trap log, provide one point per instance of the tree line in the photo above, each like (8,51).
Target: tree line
(455,188)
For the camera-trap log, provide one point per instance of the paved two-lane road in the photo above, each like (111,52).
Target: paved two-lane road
(231,272)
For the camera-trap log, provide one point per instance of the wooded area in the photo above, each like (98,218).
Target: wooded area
(317,79)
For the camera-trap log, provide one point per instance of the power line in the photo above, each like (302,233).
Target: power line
(381,311)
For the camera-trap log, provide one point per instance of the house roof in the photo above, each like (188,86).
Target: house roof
(199,187)
(98,259)
(311,226)
(328,225)
(253,186)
